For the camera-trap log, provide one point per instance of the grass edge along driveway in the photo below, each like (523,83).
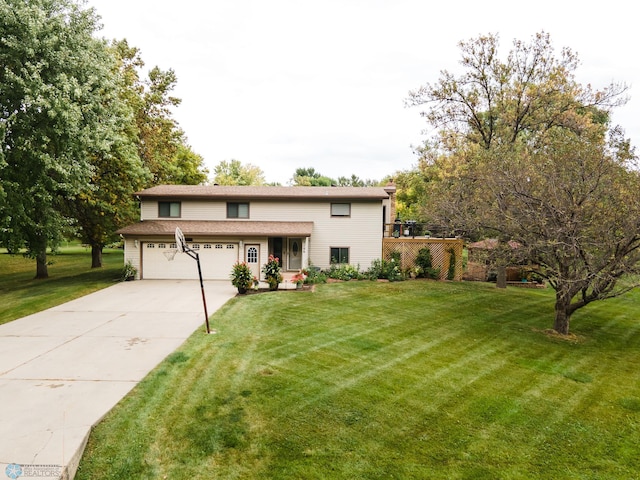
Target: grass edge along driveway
(386,380)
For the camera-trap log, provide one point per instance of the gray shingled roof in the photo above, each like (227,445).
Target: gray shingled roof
(218,228)
(266,192)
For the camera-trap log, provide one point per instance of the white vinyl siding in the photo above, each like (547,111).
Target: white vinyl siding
(132,254)
(361,232)
(190,210)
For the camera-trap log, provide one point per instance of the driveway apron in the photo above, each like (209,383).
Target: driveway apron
(63,369)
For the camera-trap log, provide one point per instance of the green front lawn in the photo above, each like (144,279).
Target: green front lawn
(367,380)
(70,276)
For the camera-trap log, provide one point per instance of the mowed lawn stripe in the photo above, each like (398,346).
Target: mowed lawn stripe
(343,376)
(374,380)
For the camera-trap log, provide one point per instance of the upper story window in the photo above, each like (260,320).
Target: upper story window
(340,209)
(237,210)
(169,209)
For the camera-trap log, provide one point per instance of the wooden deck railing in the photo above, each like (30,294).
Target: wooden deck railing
(413,229)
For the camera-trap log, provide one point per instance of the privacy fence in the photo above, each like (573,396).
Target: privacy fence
(440,248)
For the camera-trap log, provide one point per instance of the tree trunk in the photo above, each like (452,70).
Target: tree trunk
(96,256)
(501,280)
(42,270)
(563,312)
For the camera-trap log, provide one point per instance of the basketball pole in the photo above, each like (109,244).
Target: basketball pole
(182,245)
(193,254)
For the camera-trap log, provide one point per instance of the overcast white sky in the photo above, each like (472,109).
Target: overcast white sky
(283,84)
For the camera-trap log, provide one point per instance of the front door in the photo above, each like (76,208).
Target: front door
(252,257)
(295,253)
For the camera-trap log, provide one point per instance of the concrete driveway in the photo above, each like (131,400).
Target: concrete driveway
(63,369)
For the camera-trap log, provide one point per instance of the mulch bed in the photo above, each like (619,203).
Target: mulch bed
(251,291)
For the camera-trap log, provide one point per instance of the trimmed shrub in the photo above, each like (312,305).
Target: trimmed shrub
(389,270)
(315,275)
(344,272)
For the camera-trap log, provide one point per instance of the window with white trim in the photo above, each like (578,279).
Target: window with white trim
(252,255)
(339,255)
(237,210)
(340,209)
(169,209)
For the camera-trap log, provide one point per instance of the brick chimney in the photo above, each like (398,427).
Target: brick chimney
(390,188)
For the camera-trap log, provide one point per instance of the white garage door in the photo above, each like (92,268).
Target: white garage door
(216,261)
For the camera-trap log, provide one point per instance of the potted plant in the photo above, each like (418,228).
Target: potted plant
(272,272)
(241,277)
(128,272)
(298,279)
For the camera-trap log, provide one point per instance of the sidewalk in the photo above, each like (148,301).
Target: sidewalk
(63,369)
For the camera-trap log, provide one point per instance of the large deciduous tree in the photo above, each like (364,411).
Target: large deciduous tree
(108,202)
(148,148)
(412,187)
(525,152)
(162,143)
(56,82)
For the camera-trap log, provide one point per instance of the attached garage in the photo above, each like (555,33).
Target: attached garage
(220,244)
(216,261)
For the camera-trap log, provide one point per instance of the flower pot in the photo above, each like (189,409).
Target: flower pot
(242,290)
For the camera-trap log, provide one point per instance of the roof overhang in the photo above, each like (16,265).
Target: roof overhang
(219,192)
(223,228)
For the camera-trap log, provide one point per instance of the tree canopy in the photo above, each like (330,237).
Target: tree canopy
(162,144)
(57,111)
(80,130)
(150,149)
(233,172)
(309,177)
(412,188)
(525,153)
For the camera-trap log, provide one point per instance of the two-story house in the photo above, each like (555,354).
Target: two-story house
(226,224)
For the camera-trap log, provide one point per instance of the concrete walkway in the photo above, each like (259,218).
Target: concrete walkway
(63,369)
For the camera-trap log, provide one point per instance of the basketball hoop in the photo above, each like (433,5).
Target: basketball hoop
(181,243)
(170,254)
